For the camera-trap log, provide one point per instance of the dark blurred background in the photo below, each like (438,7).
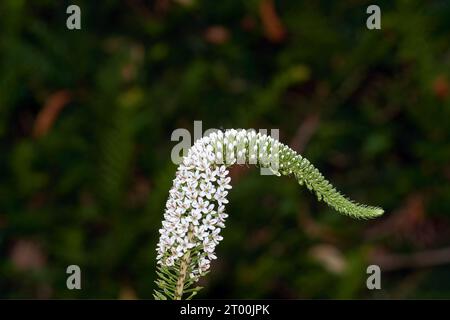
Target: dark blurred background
(86,118)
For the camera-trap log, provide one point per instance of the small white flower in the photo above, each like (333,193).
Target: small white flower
(195,217)
(216,237)
(211,256)
(209,222)
(222,216)
(209,175)
(208,245)
(204,264)
(207,190)
(191,186)
(201,232)
(202,205)
(186,244)
(220,196)
(222,171)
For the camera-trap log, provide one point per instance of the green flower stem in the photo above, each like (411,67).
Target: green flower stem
(182,276)
(184,264)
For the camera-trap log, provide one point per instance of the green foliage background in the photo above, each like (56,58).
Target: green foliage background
(371,109)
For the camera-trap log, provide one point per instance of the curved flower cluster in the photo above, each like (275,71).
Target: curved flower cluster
(195,211)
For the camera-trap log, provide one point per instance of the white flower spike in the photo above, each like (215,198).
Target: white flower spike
(194,214)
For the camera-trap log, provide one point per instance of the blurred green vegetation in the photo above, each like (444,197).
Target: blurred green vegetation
(86,118)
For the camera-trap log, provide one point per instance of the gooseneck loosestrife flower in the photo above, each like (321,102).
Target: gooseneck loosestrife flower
(195,210)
